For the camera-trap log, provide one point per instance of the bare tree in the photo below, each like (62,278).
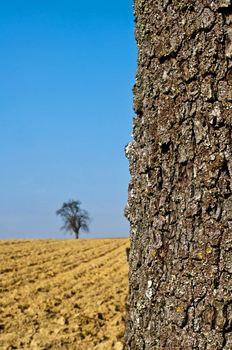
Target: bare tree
(180,195)
(74,217)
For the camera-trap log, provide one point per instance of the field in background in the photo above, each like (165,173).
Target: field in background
(67,294)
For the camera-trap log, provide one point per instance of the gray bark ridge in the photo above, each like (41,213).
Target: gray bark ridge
(180,194)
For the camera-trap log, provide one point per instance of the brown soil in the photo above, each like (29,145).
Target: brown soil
(67,294)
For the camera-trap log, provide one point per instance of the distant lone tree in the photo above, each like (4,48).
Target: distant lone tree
(74,217)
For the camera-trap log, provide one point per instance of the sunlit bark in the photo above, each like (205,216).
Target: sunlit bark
(180,195)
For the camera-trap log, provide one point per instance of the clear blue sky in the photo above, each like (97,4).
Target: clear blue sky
(66,72)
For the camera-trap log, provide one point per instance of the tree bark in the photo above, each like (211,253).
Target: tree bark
(180,194)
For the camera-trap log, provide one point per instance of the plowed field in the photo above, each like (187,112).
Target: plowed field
(67,294)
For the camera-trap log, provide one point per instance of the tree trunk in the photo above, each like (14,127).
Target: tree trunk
(76,233)
(180,195)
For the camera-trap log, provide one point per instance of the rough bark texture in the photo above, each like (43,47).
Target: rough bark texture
(180,195)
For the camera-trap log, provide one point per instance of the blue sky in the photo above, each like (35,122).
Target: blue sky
(66,71)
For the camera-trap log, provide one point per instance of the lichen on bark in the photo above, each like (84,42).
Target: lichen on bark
(180,194)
